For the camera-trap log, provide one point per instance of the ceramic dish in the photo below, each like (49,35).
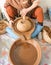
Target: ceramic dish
(3,25)
(21,27)
(47,34)
(25,52)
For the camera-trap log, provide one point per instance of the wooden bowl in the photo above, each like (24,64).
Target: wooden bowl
(22,27)
(47,34)
(3,25)
(25,52)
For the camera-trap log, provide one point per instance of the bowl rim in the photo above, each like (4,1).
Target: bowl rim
(37,46)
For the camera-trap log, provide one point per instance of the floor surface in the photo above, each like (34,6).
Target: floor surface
(6,41)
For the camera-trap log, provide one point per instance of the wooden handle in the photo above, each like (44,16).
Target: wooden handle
(23,17)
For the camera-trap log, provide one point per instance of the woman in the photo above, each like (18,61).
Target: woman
(24,8)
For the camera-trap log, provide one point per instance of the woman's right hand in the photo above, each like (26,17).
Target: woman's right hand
(10,23)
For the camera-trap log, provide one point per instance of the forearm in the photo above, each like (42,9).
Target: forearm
(34,4)
(5,13)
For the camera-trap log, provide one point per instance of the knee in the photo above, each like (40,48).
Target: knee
(10,11)
(39,14)
(38,11)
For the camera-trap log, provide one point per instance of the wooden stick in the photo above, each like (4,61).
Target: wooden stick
(23,18)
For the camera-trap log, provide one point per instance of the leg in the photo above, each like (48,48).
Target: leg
(11,11)
(11,33)
(38,13)
(38,28)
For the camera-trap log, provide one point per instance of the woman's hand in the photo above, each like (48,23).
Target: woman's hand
(23,12)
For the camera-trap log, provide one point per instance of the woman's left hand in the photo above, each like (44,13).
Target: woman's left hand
(23,12)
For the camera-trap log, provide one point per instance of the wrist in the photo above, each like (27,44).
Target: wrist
(27,9)
(9,19)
